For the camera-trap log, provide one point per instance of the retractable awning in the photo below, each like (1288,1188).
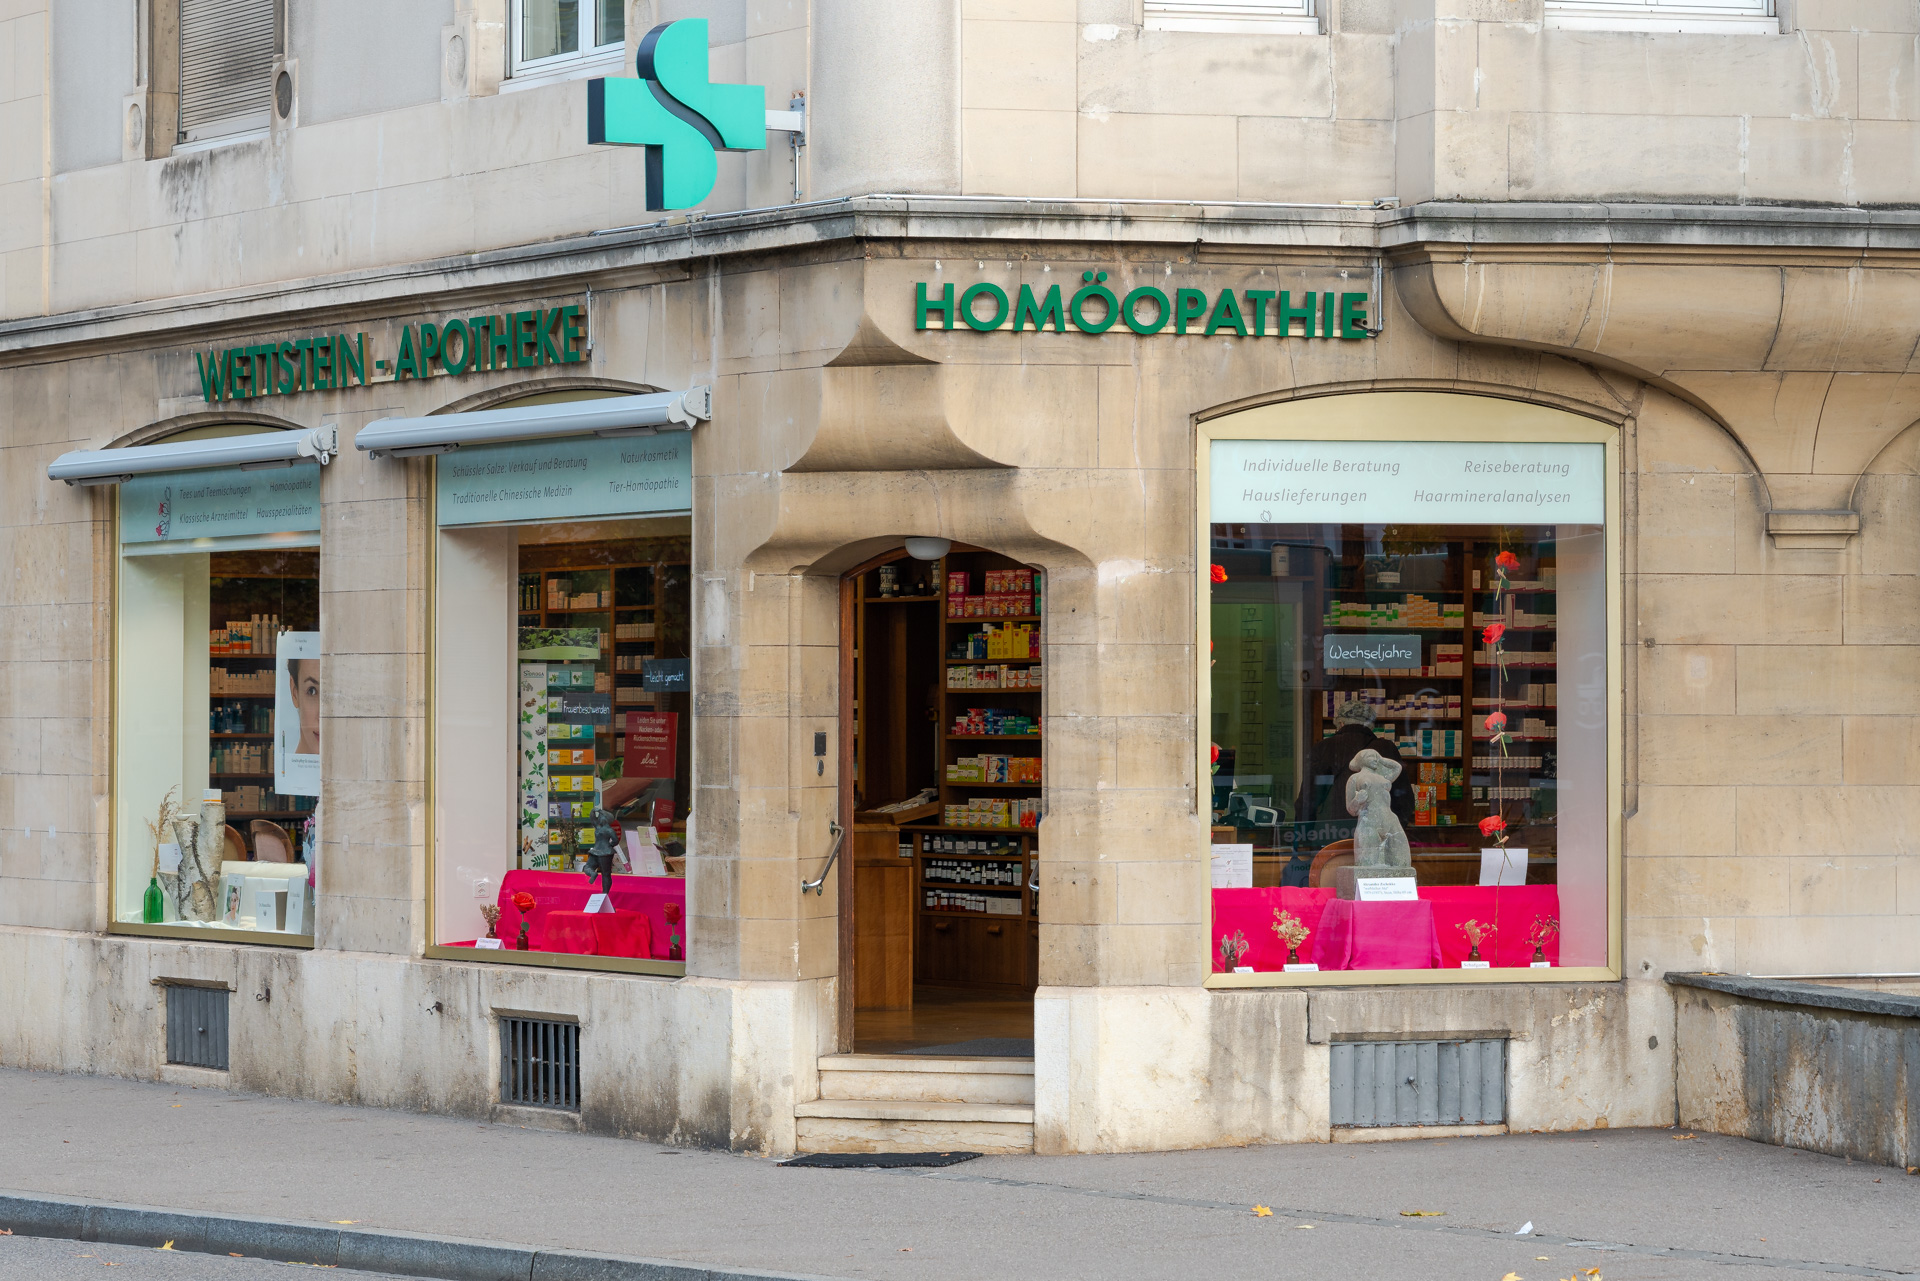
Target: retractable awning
(253,452)
(641,415)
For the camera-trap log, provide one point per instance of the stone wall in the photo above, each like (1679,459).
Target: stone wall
(408,147)
(1827,1068)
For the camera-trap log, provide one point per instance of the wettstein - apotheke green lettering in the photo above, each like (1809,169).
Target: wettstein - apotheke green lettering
(330,362)
(1094,309)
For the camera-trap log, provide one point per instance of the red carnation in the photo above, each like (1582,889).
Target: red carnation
(1493,632)
(1496,722)
(1492,825)
(1507,561)
(523,901)
(1219,573)
(1215,758)
(672,912)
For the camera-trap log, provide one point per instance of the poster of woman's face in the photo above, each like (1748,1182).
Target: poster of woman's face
(296,714)
(231,912)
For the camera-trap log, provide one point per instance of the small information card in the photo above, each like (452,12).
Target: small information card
(1386,889)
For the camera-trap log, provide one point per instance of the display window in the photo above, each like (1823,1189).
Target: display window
(564,713)
(217,725)
(1409,703)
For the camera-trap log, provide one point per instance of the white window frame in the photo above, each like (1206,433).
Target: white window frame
(1699,17)
(588,60)
(1248,17)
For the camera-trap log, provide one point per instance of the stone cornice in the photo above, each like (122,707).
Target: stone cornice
(1224,231)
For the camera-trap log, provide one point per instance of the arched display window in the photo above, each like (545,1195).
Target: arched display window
(1410,704)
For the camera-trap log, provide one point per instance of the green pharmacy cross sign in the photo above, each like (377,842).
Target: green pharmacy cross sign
(679,115)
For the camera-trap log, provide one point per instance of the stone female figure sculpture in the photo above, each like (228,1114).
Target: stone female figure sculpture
(1379,842)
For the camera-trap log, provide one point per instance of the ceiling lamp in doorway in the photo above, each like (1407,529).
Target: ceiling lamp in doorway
(928,548)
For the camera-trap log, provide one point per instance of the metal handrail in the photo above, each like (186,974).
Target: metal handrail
(820,886)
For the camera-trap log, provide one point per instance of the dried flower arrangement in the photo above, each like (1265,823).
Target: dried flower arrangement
(1292,932)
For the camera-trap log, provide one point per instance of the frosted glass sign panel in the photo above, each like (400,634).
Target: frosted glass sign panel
(572,478)
(176,510)
(1426,482)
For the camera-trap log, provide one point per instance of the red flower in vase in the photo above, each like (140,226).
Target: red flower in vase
(672,912)
(1492,633)
(1496,722)
(523,901)
(1507,561)
(1492,825)
(1215,758)
(1219,573)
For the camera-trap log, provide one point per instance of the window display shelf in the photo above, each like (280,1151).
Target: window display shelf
(251,736)
(1032,738)
(215,773)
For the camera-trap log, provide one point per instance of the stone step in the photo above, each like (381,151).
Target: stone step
(912,1125)
(936,1080)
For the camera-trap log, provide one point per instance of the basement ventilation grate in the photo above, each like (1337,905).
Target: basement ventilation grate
(197,1026)
(540,1063)
(1419,1082)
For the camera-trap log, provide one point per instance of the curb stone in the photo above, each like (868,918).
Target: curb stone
(408,1254)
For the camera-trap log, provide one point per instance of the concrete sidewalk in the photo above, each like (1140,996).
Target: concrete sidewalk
(1638,1204)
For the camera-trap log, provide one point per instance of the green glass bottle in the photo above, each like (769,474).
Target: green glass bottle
(154,909)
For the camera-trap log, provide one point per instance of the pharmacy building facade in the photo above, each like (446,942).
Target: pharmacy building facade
(849,576)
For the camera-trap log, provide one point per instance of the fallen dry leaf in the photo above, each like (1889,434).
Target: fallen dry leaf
(1422,1214)
(6,1232)
(1511,1276)
(1304,1227)
(346,1220)
(167,1246)
(1677,1137)
(1262,1212)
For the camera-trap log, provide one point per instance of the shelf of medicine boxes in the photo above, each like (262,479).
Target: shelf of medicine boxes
(259,736)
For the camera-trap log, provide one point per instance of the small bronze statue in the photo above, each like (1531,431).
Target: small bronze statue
(606,839)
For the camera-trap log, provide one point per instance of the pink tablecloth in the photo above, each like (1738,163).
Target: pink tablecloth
(1388,936)
(1253,913)
(1376,936)
(566,893)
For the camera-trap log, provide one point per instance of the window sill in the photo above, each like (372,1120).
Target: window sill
(211,934)
(1405,978)
(1305,25)
(611,63)
(557,960)
(251,134)
(1676,22)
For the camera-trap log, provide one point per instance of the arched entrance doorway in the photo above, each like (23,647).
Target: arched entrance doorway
(941,769)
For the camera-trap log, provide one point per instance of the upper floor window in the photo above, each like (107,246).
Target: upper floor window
(1248,16)
(227,54)
(1722,17)
(565,36)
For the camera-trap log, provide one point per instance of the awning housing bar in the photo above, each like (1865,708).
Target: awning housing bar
(253,452)
(642,415)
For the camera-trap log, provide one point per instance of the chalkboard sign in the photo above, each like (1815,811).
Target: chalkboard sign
(1378,652)
(583,708)
(666,675)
